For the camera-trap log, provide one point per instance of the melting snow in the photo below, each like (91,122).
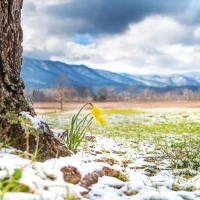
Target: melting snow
(139,186)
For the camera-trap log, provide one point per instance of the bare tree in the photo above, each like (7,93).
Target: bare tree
(111,93)
(144,94)
(168,96)
(188,94)
(83,93)
(71,94)
(175,94)
(86,94)
(12,100)
(61,89)
(131,91)
(102,94)
(198,94)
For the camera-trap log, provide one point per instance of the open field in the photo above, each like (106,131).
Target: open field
(157,152)
(138,105)
(145,151)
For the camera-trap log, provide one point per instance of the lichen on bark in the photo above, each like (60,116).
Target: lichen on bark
(11,88)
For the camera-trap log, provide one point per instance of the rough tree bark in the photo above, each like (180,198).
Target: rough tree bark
(11,88)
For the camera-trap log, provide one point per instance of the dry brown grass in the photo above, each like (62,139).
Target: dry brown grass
(141,105)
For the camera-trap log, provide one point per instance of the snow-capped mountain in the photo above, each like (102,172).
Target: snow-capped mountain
(175,80)
(43,73)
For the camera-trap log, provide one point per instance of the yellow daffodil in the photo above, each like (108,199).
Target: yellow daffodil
(97,114)
(79,126)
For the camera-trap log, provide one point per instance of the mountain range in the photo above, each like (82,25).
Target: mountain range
(43,73)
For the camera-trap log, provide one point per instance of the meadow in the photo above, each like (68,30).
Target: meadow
(145,151)
(160,143)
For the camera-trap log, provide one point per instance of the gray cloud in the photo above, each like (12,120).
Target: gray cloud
(111,16)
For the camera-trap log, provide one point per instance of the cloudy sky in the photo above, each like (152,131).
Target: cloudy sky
(134,36)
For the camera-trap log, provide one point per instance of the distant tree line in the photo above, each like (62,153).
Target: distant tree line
(62,92)
(70,94)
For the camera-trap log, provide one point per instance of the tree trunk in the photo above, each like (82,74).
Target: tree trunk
(12,99)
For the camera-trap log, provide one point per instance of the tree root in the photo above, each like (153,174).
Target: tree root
(72,175)
(44,145)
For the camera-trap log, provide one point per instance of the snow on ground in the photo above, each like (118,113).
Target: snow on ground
(138,181)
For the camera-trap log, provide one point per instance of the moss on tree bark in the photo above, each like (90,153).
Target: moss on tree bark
(11,88)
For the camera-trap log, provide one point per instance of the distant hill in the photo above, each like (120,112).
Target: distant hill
(42,74)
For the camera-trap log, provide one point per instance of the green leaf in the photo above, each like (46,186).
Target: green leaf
(17,174)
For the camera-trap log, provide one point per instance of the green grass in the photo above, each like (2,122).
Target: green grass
(129,124)
(11,184)
(172,138)
(126,123)
(122,112)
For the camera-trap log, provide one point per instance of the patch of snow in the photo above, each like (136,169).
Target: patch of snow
(139,185)
(36,121)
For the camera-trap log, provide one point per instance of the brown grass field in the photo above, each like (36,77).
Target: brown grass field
(139,105)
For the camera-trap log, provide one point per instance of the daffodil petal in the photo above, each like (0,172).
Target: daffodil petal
(97,114)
